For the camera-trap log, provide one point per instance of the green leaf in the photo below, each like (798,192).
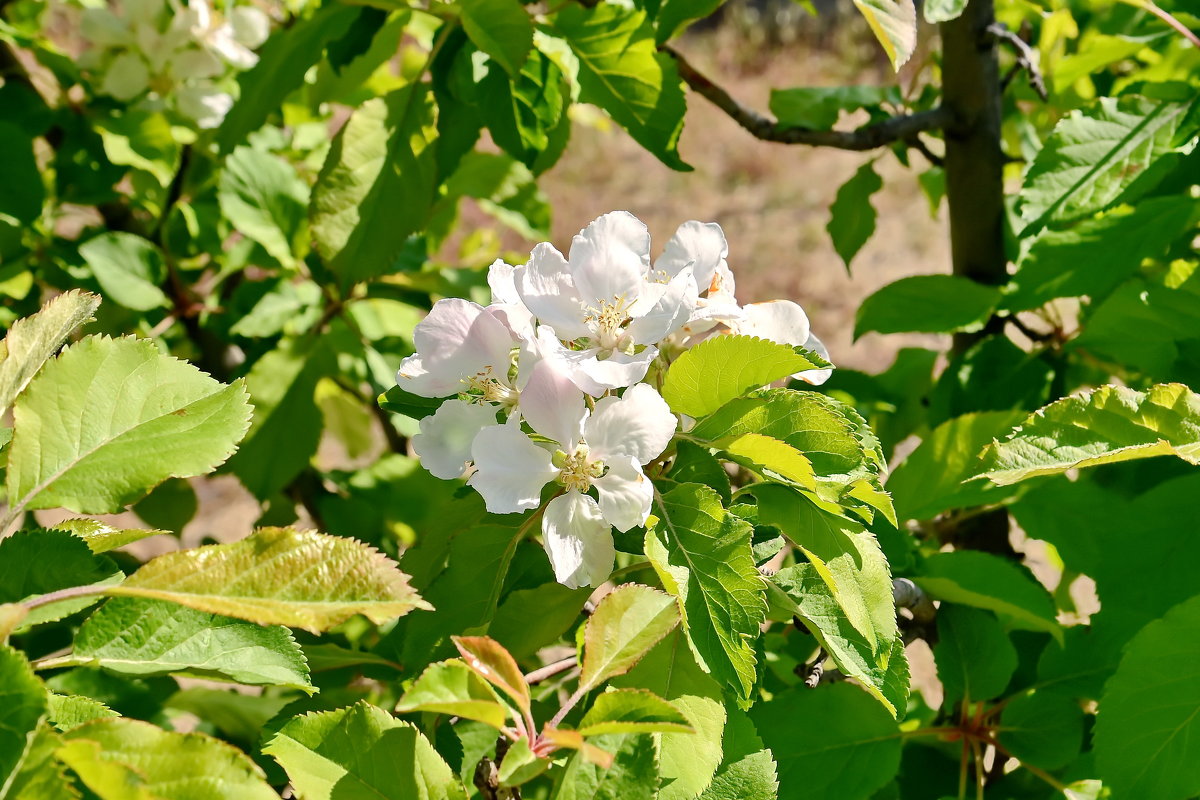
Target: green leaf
(1094,154)
(236,717)
(529,619)
(818,108)
(629,621)
(942,473)
(22,707)
(1103,426)
(722,368)
(41,775)
(1093,256)
(398,401)
(453,688)
(361,751)
(377,185)
(982,580)
(102,537)
(831,743)
(762,452)
(142,140)
(621,70)
(632,775)
(152,637)
(748,769)
(520,765)
(975,659)
(1146,738)
(852,217)
(129,269)
(24,191)
(845,556)
(66,711)
(287,424)
(500,28)
(280,576)
(894,23)
(673,15)
(927,304)
(811,599)
(110,418)
(170,506)
(495,665)
(1042,729)
(38,562)
(265,200)
(159,764)
(282,63)
(943,10)
(525,113)
(702,555)
(32,341)
(632,711)
(687,761)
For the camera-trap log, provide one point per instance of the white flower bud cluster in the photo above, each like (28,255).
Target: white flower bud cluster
(554,381)
(162,54)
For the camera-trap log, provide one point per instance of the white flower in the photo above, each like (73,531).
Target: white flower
(602,309)
(605,449)
(444,442)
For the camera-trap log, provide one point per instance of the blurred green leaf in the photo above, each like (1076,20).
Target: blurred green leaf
(852,217)
(129,269)
(927,304)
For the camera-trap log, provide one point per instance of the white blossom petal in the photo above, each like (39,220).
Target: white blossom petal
(223,42)
(444,443)
(251,26)
(780,321)
(625,494)
(701,246)
(502,280)
(577,540)
(510,470)
(547,289)
(205,104)
(638,425)
(596,375)
(127,77)
(553,405)
(193,64)
(609,258)
(102,28)
(815,376)
(673,304)
(456,340)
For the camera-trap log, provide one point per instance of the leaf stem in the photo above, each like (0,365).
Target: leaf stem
(572,701)
(64,594)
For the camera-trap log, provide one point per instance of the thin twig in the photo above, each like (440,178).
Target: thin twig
(918,144)
(550,670)
(1027,59)
(900,128)
(816,669)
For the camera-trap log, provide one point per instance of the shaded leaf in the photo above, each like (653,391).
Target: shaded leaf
(631,774)
(500,28)
(975,658)
(982,580)
(152,637)
(852,217)
(1042,729)
(22,707)
(927,304)
(38,562)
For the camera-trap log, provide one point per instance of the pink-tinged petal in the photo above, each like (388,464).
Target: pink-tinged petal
(667,307)
(553,405)
(700,245)
(444,443)
(609,258)
(415,378)
(547,289)
(815,376)
(625,494)
(510,470)
(638,425)
(457,339)
(441,335)
(780,321)
(577,540)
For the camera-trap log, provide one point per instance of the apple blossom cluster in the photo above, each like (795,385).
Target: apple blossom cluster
(554,382)
(167,55)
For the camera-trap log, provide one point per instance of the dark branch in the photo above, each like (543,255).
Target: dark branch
(1027,59)
(901,128)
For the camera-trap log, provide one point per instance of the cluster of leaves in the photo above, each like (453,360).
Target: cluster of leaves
(291,269)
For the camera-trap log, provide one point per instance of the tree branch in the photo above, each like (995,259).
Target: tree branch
(1027,60)
(902,128)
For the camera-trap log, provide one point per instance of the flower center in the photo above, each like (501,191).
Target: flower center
(607,323)
(487,388)
(577,470)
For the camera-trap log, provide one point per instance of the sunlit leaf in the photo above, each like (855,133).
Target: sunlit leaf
(632,711)
(452,687)
(31,341)
(625,625)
